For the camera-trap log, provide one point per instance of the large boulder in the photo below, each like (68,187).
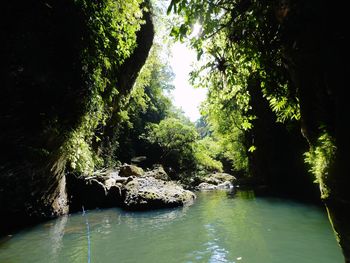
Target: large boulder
(148,192)
(109,189)
(130,170)
(92,192)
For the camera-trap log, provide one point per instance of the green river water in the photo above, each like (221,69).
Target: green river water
(218,227)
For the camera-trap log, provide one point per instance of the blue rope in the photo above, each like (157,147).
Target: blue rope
(88,234)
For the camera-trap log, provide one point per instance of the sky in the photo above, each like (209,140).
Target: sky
(184,95)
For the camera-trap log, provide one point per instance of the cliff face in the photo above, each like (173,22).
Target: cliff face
(278,158)
(48,86)
(40,96)
(316,50)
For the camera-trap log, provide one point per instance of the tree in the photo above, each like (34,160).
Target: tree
(176,140)
(207,154)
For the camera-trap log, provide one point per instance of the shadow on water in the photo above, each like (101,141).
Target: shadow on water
(244,194)
(221,226)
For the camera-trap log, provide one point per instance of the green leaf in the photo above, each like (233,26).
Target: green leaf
(251,149)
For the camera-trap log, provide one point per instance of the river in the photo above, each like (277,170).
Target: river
(218,227)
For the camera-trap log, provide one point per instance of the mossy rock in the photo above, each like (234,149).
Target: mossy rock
(158,172)
(130,170)
(150,193)
(219,178)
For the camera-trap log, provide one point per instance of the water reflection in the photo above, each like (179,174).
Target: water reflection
(156,219)
(56,237)
(217,253)
(248,194)
(215,229)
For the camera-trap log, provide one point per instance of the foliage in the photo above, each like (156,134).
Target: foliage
(320,158)
(284,108)
(238,39)
(207,151)
(110,39)
(202,127)
(158,129)
(148,101)
(153,126)
(148,123)
(149,92)
(182,150)
(176,139)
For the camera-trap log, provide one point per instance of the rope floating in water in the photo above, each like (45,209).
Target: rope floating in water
(88,234)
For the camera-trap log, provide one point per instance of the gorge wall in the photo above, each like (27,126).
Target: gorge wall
(59,60)
(316,52)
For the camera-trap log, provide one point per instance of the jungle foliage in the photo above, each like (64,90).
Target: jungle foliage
(272,68)
(241,42)
(65,64)
(111,37)
(112,117)
(155,128)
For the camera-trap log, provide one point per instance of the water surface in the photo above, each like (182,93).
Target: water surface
(217,228)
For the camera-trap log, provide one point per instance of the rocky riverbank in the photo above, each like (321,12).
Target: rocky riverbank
(133,188)
(128,187)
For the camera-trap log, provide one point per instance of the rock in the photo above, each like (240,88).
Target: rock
(225,185)
(138,159)
(130,170)
(218,178)
(108,183)
(148,193)
(211,180)
(121,179)
(32,163)
(158,173)
(88,192)
(216,181)
(206,187)
(132,192)
(114,195)
(223,177)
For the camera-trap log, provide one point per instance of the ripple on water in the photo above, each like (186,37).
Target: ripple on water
(217,228)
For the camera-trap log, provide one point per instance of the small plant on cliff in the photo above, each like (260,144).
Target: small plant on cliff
(320,158)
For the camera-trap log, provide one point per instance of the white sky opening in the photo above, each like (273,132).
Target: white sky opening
(196,30)
(184,95)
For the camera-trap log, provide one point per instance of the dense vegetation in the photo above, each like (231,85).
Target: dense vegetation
(237,57)
(151,126)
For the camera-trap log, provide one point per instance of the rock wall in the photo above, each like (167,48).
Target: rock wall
(316,51)
(40,95)
(44,93)
(278,160)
